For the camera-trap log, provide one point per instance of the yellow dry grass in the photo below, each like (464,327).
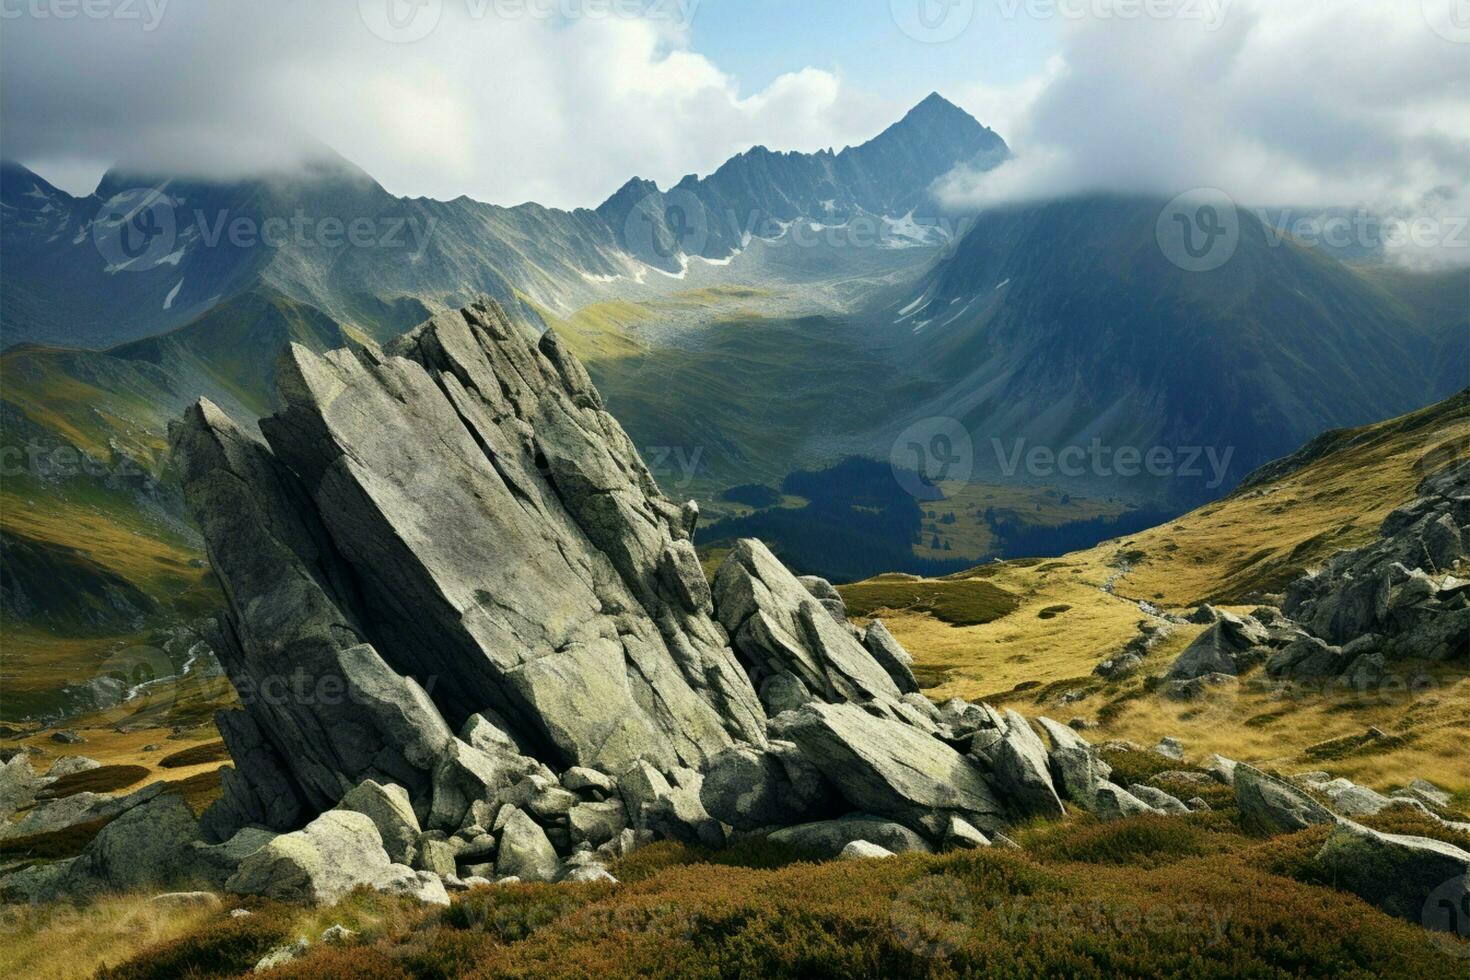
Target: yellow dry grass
(63,942)
(1254,541)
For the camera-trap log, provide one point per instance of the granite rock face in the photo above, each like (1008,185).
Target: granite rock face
(473,640)
(1398,597)
(459,510)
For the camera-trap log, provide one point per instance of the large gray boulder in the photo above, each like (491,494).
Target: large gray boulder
(750,788)
(335,853)
(148,848)
(891,656)
(891,769)
(1228,647)
(1273,806)
(779,628)
(459,507)
(1414,878)
(1020,770)
(391,812)
(323,710)
(1077,768)
(525,851)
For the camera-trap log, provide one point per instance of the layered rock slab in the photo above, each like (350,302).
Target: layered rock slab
(463,510)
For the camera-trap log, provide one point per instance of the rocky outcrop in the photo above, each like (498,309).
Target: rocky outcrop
(461,510)
(1398,597)
(473,641)
(891,769)
(779,629)
(335,853)
(1273,806)
(1229,646)
(1415,878)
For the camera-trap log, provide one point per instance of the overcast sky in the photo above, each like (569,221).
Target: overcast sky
(1349,102)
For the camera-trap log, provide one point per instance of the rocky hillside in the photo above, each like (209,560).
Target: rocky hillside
(473,647)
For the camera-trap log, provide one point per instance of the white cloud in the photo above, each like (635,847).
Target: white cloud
(504,109)
(1308,103)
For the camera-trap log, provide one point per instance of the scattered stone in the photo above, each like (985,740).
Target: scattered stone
(50,816)
(860,850)
(1076,766)
(580,779)
(1113,802)
(1271,806)
(436,856)
(69,765)
(960,835)
(1221,769)
(597,823)
(282,955)
(1158,799)
(748,788)
(335,853)
(891,656)
(337,934)
(67,737)
(1170,748)
(827,838)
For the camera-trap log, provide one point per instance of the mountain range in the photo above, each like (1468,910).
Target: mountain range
(773,318)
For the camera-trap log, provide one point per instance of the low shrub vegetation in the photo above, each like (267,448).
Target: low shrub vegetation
(105,779)
(1142,897)
(196,755)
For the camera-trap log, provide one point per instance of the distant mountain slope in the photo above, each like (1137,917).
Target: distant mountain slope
(1065,322)
(145,253)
